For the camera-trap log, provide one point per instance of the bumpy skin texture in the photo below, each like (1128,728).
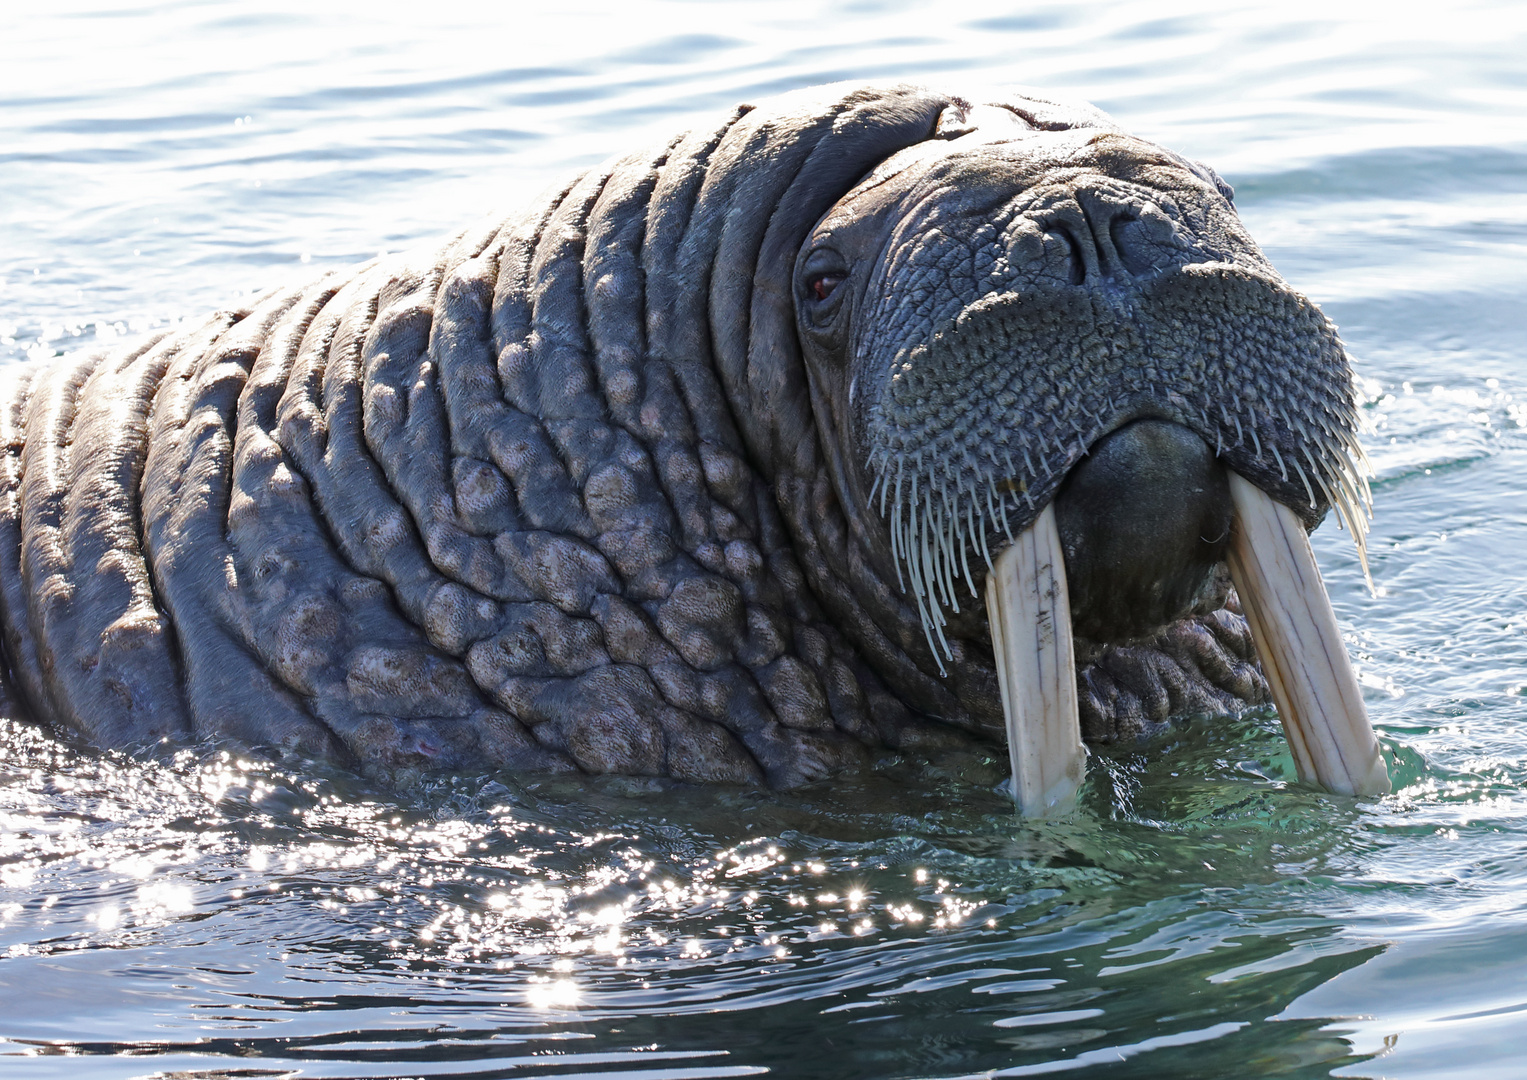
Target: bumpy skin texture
(594,487)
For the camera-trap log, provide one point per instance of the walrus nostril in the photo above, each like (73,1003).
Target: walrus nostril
(1143,520)
(1076,260)
(1103,245)
(1128,249)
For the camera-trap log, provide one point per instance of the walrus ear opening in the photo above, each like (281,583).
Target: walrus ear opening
(1204,172)
(954,121)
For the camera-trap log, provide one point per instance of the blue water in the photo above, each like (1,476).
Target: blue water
(1201,916)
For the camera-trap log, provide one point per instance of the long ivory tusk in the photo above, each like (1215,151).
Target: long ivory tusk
(1030,616)
(1297,639)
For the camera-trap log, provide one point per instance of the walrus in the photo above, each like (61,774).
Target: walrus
(867,417)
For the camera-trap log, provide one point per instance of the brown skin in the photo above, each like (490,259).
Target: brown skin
(594,487)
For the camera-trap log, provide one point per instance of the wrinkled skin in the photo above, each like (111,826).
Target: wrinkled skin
(603,486)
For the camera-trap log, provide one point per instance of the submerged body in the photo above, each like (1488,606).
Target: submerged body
(694,468)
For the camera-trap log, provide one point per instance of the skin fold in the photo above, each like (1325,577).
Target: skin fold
(691,468)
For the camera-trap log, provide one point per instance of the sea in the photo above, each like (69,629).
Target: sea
(1201,913)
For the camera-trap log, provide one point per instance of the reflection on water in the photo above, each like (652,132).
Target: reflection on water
(1200,916)
(233,908)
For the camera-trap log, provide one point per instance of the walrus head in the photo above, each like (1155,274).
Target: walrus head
(1054,376)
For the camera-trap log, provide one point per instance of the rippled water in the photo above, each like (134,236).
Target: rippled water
(1201,916)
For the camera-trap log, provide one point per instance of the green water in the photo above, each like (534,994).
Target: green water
(1201,915)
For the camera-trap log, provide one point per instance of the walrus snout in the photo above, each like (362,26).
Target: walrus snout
(1144,519)
(1105,239)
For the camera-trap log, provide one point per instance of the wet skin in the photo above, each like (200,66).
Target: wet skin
(690,469)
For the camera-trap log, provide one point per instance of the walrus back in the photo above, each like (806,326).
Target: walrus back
(507,504)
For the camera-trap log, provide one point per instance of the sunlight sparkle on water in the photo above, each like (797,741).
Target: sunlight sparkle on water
(179,157)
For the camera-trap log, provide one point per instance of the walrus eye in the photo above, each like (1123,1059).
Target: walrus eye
(822,271)
(823,285)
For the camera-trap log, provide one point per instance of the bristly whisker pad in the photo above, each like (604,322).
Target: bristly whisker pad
(983,419)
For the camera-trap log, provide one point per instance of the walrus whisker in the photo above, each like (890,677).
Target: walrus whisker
(1357,460)
(1365,465)
(944,556)
(1349,508)
(916,561)
(904,540)
(948,528)
(1300,470)
(987,518)
(917,553)
(990,515)
(1338,501)
(971,515)
(1282,468)
(964,558)
(927,546)
(930,568)
(932,610)
(931,633)
(1349,486)
(949,653)
(1320,479)
(945,524)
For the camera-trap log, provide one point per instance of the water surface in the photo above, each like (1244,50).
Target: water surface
(1201,916)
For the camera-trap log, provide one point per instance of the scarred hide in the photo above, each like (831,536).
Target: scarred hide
(692,468)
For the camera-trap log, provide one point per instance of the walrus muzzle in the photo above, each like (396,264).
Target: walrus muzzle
(1144,519)
(1130,543)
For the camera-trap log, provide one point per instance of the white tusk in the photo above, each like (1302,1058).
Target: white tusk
(1300,647)
(1030,616)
